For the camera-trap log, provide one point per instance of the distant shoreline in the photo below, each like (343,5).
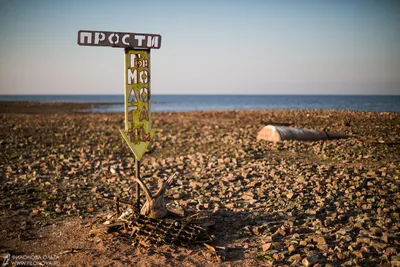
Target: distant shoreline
(35,107)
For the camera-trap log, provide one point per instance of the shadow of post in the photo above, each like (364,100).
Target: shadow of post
(242,232)
(232,229)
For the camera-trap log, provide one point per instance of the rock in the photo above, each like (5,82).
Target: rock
(230,205)
(266,246)
(364,240)
(391,250)
(311,259)
(311,211)
(295,258)
(215,199)
(278,256)
(177,196)
(320,240)
(248,196)
(195,185)
(232,178)
(183,203)
(259,230)
(385,238)
(321,243)
(84,157)
(303,243)
(395,260)
(358,254)
(378,245)
(340,256)
(280,231)
(322,247)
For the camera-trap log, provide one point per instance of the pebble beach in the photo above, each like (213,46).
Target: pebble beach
(291,203)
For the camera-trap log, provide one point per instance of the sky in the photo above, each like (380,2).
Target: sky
(208,47)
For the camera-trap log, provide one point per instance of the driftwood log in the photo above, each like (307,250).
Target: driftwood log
(280,133)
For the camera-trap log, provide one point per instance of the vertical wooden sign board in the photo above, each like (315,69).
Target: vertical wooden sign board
(138,131)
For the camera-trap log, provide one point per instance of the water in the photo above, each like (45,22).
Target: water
(179,103)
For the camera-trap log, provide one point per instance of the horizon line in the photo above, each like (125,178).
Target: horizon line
(294,94)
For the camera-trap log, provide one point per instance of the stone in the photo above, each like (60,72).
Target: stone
(395,260)
(215,199)
(230,205)
(365,240)
(311,259)
(266,246)
(358,254)
(303,243)
(321,240)
(289,195)
(295,258)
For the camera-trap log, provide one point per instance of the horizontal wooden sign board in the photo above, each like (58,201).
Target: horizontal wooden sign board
(119,39)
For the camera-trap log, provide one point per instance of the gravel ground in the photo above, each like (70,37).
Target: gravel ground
(292,203)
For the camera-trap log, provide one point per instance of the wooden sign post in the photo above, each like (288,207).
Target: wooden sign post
(138,131)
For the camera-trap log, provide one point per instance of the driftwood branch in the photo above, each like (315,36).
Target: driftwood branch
(155,206)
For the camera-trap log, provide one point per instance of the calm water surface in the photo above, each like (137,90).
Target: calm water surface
(179,103)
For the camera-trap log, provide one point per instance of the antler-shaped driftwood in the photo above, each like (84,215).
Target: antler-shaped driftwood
(155,206)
